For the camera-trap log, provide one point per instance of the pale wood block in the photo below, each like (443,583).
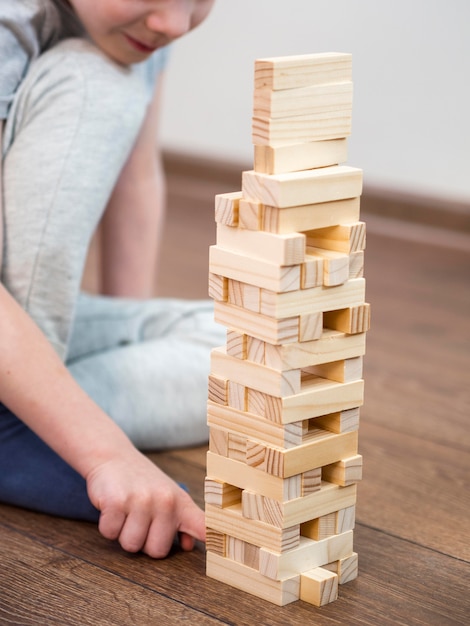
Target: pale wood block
(340,422)
(218,441)
(310,326)
(311,271)
(342,371)
(288,72)
(246,477)
(274,331)
(251,556)
(231,521)
(309,100)
(236,344)
(242,552)
(253,426)
(356,264)
(251,374)
(256,404)
(226,207)
(220,494)
(218,389)
(345,472)
(351,320)
(253,271)
(218,287)
(324,448)
(333,345)
(255,350)
(348,568)
(335,266)
(236,447)
(284,249)
(302,156)
(273,408)
(319,586)
(307,555)
(325,184)
(251,214)
(237,396)
(307,301)
(257,507)
(308,217)
(243,295)
(347,238)
(245,578)
(320,528)
(301,128)
(311,481)
(215,542)
(345,519)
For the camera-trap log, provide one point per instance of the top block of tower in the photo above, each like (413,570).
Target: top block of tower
(303,70)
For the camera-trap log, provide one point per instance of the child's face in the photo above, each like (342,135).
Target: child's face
(130,30)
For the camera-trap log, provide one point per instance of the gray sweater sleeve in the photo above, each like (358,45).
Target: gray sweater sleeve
(26,26)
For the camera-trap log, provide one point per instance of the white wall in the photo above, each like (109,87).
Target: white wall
(411,72)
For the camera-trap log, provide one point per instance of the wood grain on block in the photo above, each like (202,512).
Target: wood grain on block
(218,441)
(220,494)
(309,100)
(285,249)
(344,371)
(311,481)
(245,578)
(236,344)
(319,528)
(253,271)
(217,389)
(335,266)
(218,287)
(301,128)
(242,552)
(344,472)
(346,568)
(341,422)
(302,156)
(288,72)
(215,541)
(347,238)
(351,320)
(226,208)
(319,586)
(243,295)
(346,519)
(237,395)
(311,271)
(251,215)
(356,264)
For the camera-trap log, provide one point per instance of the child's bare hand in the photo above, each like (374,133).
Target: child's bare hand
(142,507)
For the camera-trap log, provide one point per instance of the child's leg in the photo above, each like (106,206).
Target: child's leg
(72,125)
(147,364)
(34,477)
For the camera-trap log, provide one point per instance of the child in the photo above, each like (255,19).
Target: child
(86,381)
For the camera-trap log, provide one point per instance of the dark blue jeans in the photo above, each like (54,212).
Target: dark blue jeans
(34,477)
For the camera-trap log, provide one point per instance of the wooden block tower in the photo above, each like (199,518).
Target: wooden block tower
(286,275)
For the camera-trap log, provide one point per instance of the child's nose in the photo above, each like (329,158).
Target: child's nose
(172,21)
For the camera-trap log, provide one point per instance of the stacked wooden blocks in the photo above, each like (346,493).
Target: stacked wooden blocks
(286,275)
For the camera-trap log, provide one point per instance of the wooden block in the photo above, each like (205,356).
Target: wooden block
(226,208)
(333,345)
(253,426)
(346,569)
(251,214)
(347,238)
(255,350)
(318,586)
(221,494)
(354,319)
(307,555)
(310,326)
(325,184)
(345,519)
(237,396)
(308,217)
(297,157)
(283,131)
(335,266)
(319,528)
(218,287)
(345,472)
(302,101)
(288,72)
(242,552)
(230,521)
(284,249)
(275,331)
(218,441)
(218,389)
(253,271)
(311,271)
(356,264)
(342,371)
(281,305)
(243,295)
(311,481)
(215,542)
(341,422)
(236,344)
(318,452)
(237,447)
(245,578)
(257,507)
(265,379)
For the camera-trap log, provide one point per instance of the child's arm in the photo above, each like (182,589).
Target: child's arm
(140,506)
(132,225)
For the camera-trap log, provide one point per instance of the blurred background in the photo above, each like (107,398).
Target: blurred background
(411,69)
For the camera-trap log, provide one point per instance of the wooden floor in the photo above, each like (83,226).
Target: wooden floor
(413,515)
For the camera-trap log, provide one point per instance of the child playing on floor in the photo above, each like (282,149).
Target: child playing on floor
(88,381)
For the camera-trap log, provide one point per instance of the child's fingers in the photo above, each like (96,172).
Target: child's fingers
(134,533)
(192,522)
(111,522)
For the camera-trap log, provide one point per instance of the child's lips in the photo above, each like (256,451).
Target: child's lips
(138,45)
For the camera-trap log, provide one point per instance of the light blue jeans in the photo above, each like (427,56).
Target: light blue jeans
(68,135)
